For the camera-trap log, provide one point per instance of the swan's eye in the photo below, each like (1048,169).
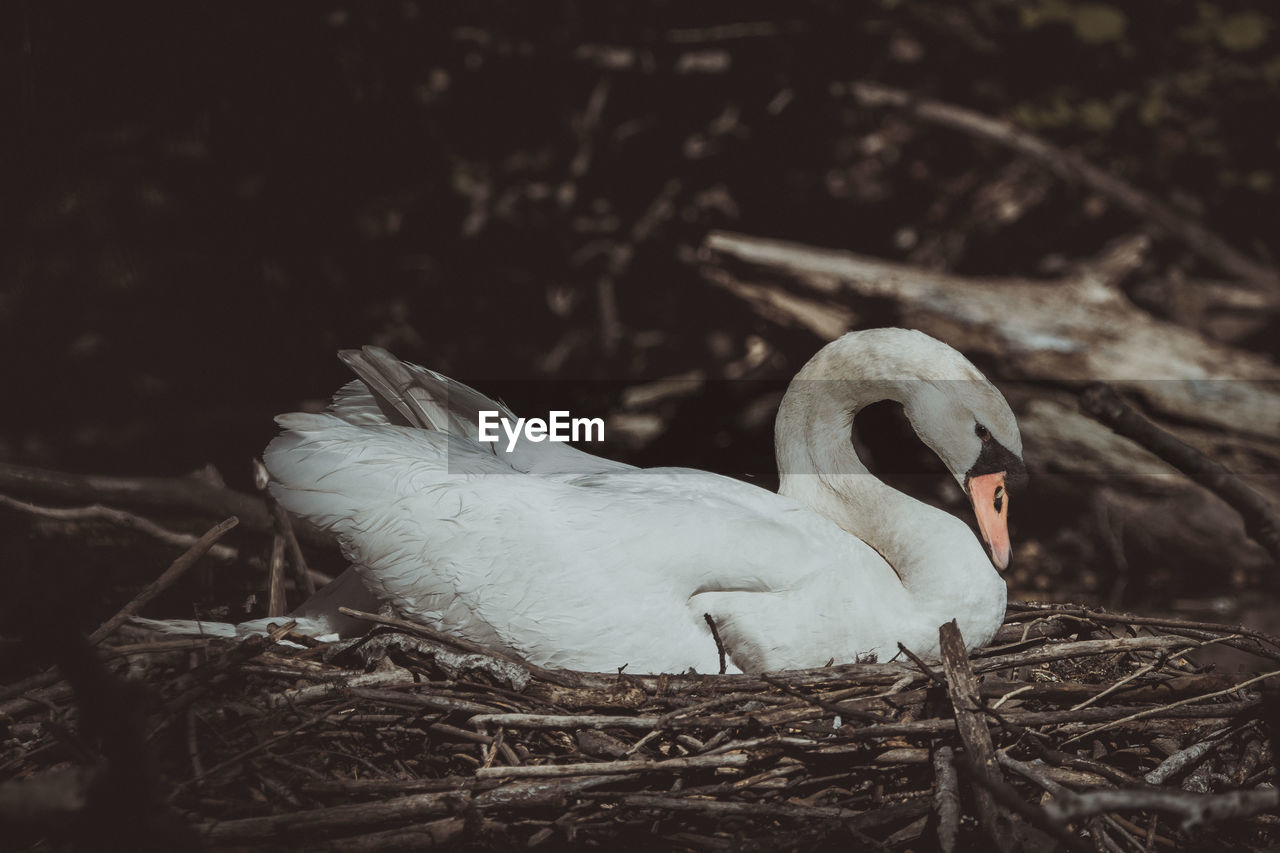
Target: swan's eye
(981,432)
(998,499)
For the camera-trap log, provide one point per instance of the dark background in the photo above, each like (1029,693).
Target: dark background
(206,200)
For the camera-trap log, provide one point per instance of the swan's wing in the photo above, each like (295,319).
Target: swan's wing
(390,391)
(589,572)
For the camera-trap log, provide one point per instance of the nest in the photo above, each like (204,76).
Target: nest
(1076,729)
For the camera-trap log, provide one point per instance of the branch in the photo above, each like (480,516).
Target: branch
(1261,522)
(946,797)
(166,580)
(1072,167)
(1194,809)
(191,494)
(111,515)
(962,688)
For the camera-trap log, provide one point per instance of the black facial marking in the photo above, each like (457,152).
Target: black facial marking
(993,459)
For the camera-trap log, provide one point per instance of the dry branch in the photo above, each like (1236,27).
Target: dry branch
(962,687)
(121,518)
(1261,522)
(1194,809)
(1072,167)
(1076,329)
(166,580)
(169,494)
(946,797)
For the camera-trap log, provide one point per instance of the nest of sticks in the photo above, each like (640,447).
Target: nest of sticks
(1076,729)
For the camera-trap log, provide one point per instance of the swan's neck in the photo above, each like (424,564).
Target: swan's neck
(934,553)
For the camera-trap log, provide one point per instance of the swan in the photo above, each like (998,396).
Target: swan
(569,560)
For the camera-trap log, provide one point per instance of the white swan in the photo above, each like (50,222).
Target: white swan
(569,560)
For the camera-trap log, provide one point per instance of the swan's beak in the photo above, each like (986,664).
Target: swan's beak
(991,506)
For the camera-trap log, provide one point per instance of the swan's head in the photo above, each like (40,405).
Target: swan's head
(952,407)
(968,423)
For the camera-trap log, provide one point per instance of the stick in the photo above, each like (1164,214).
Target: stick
(1164,708)
(962,687)
(715,634)
(284,528)
(921,665)
(1261,522)
(276,604)
(450,640)
(1034,815)
(166,580)
(1071,611)
(563,721)
(861,820)
(1072,167)
(830,707)
(1193,808)
(98,512)
(946,798)
(604,768)
(164,493)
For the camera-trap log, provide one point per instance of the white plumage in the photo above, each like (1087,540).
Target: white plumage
(570,560)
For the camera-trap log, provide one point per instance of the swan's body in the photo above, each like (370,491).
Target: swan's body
(570,560)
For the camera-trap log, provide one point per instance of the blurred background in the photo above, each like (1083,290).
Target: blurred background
(207,200)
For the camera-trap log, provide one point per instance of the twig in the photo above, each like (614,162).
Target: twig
(450,640)
(715,634)
(962,687)
(1072,167)
(828,706)
(860,820)
(1029,771)
(602,768)
(921,665)
(163,493)
(1165,708)
(276,604)
(1194,809)
(284,528)
(563,721)
(98,512)
(1184,758)
(423,836)
(1078,649)
(166,580)
(1069,611)
(328,820)
(1035,815)
(261,745)
(1143,670)
(1261,522)
(946,797)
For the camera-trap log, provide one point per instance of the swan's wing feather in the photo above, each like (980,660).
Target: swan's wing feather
(397,391)
(390,391)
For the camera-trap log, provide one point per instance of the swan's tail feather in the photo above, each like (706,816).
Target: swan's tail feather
(409,395)
(391,392)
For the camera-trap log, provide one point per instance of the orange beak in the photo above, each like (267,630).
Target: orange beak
(991,506)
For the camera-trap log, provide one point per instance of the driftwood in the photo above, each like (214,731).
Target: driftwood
(1044,341)
(1076,329)
(294,748)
